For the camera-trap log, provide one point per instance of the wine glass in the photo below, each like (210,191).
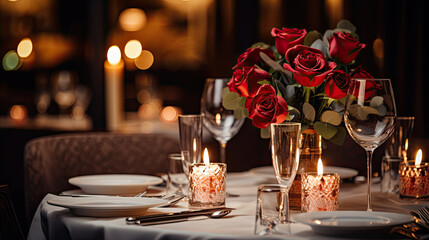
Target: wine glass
(369,116)
(219,121)
(285,151)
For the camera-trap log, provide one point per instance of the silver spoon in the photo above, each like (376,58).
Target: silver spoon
(179,218)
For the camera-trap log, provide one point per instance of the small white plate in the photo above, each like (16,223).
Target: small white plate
(344,172)
(114,184)
(107,206)
(341,223)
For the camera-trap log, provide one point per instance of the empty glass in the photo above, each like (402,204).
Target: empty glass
(271,210)
(285,151)
(177,183)
(219,121)
(191,132)
(398,144)
(390,174)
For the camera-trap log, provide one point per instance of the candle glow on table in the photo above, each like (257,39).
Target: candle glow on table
(320,190)
(414,179)
(207,183)
(113,73)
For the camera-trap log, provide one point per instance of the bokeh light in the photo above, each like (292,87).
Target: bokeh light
(132,19)
(25,47)
(11,61)
(18,112)
(150,110)
(145,60)
(114,55)
(170,113)
(378,47)
(133,49)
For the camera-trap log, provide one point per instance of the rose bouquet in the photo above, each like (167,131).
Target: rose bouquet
(303,78)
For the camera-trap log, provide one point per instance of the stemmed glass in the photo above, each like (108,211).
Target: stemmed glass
(369,117)
(219,121)
(285,151)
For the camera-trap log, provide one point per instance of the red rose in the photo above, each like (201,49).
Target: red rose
(344,47)
(370,86)
(266,107)
(337,84)
(308,65)
(245,80)
(360,73)
(287,38)
(252,57)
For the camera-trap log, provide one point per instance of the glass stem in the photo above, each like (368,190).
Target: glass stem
(222,152)
(369,177)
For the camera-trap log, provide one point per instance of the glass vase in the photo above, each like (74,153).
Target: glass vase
(311,151)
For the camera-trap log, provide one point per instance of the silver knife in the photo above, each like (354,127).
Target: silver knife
(178,216)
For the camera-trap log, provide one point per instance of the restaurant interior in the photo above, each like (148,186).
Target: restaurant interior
(55,68)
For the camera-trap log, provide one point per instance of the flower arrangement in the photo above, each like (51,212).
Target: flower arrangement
(303,78)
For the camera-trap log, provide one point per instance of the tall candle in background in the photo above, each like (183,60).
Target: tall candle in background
(113,74)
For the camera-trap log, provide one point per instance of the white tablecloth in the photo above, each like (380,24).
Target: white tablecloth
(51,222)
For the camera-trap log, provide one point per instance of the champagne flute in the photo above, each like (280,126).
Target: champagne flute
(285,151)
(219,121)
(369,117)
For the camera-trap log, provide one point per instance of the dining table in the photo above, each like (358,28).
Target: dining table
(54,222)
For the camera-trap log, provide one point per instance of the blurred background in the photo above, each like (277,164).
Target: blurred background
(55,71)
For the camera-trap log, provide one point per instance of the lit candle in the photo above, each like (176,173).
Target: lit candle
(414,179)
(320,190)
(207,183)
(113,73)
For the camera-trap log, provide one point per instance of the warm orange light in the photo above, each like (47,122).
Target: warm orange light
(25,47)
(206,157)
(218,119)
(145,60)
(18,112)
(114,55)
(169,114)
(132,19)
(419,157)
(133,49)
(320,167)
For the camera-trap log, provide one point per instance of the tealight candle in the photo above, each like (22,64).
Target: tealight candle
(414,178)
(320,190)
(207,183)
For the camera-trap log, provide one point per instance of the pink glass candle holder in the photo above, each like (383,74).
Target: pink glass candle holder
(320,192)
(207,185)
(414,180)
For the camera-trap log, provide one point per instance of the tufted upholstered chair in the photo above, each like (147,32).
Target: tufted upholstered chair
(50,161)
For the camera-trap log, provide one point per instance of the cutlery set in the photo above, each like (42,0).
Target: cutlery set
(419,227)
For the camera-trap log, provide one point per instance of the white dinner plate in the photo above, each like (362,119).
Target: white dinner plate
(107,206)
(114,184)
(344,172)
(341,223)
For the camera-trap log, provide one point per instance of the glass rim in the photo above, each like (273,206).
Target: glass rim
(270,187)
(190,115)
(374,79)
(286,124)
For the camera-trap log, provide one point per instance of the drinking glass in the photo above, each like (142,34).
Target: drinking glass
(219,121)
(177,182)
(369,117)
(285,151)
(191,133)
(397,145)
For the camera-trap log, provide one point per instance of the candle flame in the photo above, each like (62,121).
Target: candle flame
(194,145)
(419,157)
(218,118)
(320,167)
(114,55)
(206,157)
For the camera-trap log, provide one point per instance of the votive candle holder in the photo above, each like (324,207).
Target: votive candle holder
(320,192)
(414,180)
(207,185)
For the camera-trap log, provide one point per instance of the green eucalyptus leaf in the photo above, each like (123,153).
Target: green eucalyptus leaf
(264,82)
(326,130)
(311,37)
(376,101)
(304,127)
(225,91)
(364,111)
(242,102)
(346,24)
(231,100)
(339,138)
(331,117)
(381,110)
(273,64)
(240,113)
(309,112)
(265,132)
(261,45)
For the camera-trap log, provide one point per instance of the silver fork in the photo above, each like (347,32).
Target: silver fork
(424,214)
